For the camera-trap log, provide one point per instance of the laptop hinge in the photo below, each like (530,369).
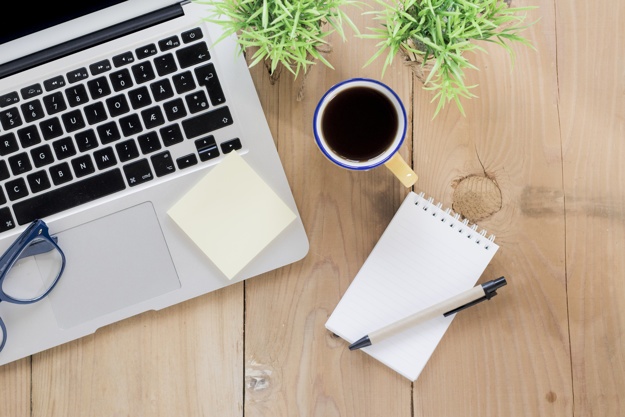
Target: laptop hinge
(90,40)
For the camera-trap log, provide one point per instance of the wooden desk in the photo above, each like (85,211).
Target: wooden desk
(549,134)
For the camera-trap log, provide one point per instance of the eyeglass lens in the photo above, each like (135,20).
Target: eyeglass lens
(35,272)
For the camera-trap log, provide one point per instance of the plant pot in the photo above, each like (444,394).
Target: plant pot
(416,61)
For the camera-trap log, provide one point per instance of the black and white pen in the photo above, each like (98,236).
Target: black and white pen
(450,306)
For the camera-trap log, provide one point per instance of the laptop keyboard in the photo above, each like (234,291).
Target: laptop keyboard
(116,123)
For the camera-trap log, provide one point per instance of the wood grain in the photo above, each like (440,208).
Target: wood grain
(15,388)
(509,357)
(592,111)
(304,370)
(183,360)
(546,134)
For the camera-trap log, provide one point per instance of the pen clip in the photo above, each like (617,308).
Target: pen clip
(490,290)
(470,304)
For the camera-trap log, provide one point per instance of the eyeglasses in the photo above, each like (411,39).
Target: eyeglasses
(30,268)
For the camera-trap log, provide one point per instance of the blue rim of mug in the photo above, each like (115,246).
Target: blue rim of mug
(340,162)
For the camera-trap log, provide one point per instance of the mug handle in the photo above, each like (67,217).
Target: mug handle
(402,170)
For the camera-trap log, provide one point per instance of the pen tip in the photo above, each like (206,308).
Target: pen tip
(362,342)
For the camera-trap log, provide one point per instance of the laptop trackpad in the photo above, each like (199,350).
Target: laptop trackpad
(112,262)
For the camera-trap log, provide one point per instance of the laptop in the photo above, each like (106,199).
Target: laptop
(110,111)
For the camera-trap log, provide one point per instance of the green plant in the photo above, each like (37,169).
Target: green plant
(288,32)
(440,32)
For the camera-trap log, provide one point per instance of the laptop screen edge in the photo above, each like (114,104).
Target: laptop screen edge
(79,27)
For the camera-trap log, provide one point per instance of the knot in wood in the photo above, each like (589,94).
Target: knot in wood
(476,198)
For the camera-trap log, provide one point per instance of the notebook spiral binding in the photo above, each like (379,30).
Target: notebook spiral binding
(463,226)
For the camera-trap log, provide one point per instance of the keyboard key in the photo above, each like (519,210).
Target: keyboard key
(51,128)
(61,174)
(4,171)
(163,164)
(131,125)
(169,43)
(197,102)
(6,219)
(77,75)
(207,148)
(33,110)
(8,144)
(143,72)
(149,143)
(194,54)
(165,64)
(100,67)
(162,90)
(76,95)
(9,99)
(117,105)
(123,59)
(10,118)
(184,82)
(138,172)
(54,83)
(206,122)
(20,163)
(108,132)
(171,135)
(231,145)
(42,155)
(127,150)
(95,113)
(186,161)
(175,109)
(38,181)
(120,80)
(31,91)
(73,121)
(139,98)
(86,140)
(191,35)
(29,136)
(207,77)
(3,199)
(99,88)
(105,158)
(69,196)
(205,74)
(152,117)
(54,103)
(64,148)
(16,189)
(146,51)
(83,165)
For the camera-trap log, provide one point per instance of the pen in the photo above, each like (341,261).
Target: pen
(469,298)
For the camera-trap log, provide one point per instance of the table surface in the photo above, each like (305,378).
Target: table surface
(537,159)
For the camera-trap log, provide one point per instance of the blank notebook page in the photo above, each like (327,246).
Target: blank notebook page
(425,256)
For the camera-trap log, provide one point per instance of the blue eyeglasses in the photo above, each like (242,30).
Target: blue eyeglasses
(30,268)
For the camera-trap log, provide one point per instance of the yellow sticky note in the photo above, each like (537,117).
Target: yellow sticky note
(231,214)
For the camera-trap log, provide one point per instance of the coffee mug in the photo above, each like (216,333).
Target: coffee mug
(360,124)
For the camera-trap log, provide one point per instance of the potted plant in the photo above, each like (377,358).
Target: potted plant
(434,37)
(281,33)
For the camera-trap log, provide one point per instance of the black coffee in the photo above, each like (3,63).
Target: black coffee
(359,123)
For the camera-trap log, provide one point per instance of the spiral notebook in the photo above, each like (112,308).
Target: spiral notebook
(425,255)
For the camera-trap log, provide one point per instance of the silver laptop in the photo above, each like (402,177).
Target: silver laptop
(110,111)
